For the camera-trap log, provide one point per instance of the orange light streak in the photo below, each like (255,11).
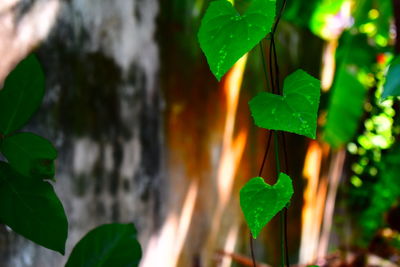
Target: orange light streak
(309,233)
(230,244)
(334,179)
(165,249)
(328,65)
(231,153)
(232,149)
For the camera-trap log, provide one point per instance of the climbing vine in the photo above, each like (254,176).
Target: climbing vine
(225,36)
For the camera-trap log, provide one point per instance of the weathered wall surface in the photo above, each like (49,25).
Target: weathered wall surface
(102,111)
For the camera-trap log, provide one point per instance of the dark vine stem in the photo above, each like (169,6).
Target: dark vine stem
(275,85)
(271,70)
(253,258)
(266,150)
(287,171)
(276,66)
(265,154)
(264,67)
(284,236)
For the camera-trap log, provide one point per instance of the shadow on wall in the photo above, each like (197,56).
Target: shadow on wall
(102,111)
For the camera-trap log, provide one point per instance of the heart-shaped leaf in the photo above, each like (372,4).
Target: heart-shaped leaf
(32,209)
(225,36)
(30,154)
(296,111)
(107,245)
(392,84)
(21,96)
(260,201)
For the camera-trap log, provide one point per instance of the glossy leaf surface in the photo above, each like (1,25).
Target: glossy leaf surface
(225,35)
(260,201)
(296,111)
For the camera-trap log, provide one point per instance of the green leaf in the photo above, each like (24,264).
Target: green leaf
(225,36)
(31,208)
(392,84)
(300,12)
(30,154)
(296,111)
(322,17)
(348,95)
(345,109)
(260,201)
(107,245)
(21,96)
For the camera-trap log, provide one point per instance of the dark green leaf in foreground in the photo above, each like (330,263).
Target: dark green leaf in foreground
(107,245)
(225,36)
(21,95)
(31,208)
(30,154)
(392,85)
(260,201)
(296,111)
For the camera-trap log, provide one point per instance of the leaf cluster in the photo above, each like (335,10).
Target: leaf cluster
(28,202)
(225,36)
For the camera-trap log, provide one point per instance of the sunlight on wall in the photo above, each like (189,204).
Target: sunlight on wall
(23,35)
(231,155)
(230,245)
(165,248)
(311,216)
(232,149)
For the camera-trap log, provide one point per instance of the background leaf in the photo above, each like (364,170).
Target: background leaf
(296,111)
(32,209)
(107,245)
(345,109)
(225,36)
(348,95)
(22,95)
(30,154)
(260,202)
(392,84)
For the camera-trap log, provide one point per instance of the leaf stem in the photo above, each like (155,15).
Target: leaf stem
(265,154)
(278,170)
(275,88)
(273,53)
(264,66)
(277,73)
(252,251)
(276,147)
(279,17)
(287,171)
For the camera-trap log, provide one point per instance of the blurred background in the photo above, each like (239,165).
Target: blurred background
(147,135)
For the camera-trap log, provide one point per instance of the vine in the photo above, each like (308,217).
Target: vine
(225,36)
